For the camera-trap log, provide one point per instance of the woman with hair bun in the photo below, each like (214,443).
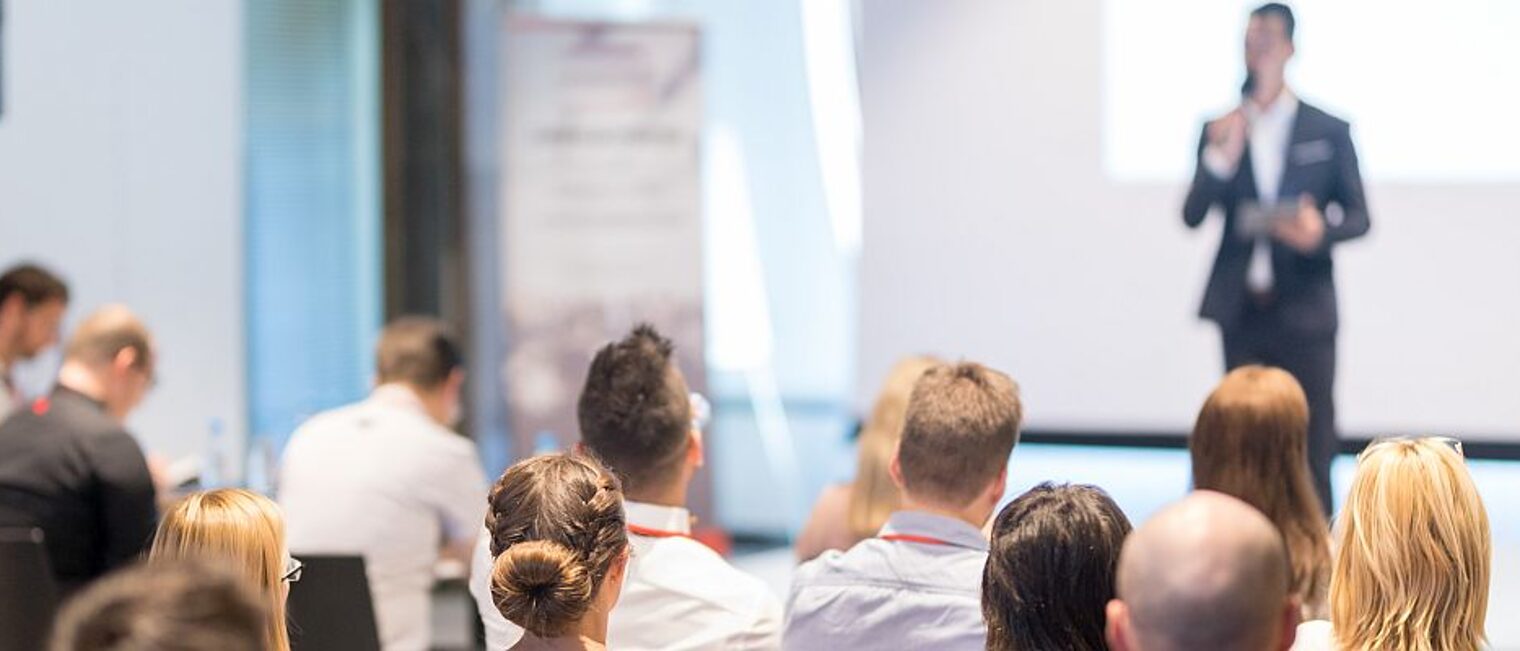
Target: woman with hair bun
(560,541)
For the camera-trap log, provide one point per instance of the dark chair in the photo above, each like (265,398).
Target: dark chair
(28,595)
(330,608)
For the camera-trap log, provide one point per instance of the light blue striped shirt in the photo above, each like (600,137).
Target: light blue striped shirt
(894,594)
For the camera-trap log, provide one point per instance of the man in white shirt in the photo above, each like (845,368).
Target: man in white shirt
(387,479)
(636,416)
(1277,167)
(32,302)
(918,584)
(1209,572)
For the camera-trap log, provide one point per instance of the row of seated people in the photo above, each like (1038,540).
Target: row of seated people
(1064,572)
(365,479)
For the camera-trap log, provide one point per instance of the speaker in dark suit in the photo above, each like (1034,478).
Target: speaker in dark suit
(1286,177)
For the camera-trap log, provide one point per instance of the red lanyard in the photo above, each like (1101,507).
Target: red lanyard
(655,533)
(923,540)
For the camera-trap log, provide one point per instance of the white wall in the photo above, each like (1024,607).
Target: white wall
(121,168)
(992,231)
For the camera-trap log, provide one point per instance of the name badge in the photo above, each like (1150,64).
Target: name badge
(1311,152)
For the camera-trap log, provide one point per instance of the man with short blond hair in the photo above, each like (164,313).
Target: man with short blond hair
(918,584)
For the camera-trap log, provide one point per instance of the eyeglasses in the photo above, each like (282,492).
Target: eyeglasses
(293,568)
(1448,441)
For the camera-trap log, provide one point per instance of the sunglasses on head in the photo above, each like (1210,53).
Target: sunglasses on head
(1448,441)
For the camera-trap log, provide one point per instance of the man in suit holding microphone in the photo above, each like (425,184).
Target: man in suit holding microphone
(1285,174)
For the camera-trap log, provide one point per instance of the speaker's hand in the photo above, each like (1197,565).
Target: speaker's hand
(1306,230)
(1228,135)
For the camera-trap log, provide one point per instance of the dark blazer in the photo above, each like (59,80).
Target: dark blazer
(67,468)
(1321,162)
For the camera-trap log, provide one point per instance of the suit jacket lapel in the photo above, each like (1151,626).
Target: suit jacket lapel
(1287,188)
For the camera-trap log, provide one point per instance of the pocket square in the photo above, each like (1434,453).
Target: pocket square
(1310,152)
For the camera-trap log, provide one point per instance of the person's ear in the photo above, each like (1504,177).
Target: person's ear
(894,469)
(1291,615)
(124,360)
(1117,626)
(1000,486)
(455,383)
(579,449)
(695,455)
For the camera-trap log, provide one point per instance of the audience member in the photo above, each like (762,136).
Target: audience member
(849,513)
(1050,573)
(244,532)
(635,415)
(164,606)
(560,542)
(1412,568)
(1251,442)
(67,465)
(387,479)
(1209,572)
(917,584)
(32,301)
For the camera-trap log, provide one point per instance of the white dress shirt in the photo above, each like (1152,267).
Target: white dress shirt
(678,594)
(923,591)
(1269,132)
(383,480)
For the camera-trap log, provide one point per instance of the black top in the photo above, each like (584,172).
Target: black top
(1321,161)
(67,468)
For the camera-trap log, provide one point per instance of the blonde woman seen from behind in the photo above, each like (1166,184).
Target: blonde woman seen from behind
(560,542)
(848,513)
(239,530)
(1412,568)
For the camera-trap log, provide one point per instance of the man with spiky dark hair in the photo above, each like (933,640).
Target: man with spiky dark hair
(636,416)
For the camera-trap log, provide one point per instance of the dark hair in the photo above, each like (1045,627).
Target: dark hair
(634,410)
(420,351)
(180,605)
(1251,442)
(33,284)
(1281,11)
(557,526)
(1051,569)
(963,420)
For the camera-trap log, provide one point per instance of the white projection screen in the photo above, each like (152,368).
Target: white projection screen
(1024,168)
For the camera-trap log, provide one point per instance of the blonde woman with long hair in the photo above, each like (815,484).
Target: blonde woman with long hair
(1251,442)
(243,531)
(849,513)
(1412,569)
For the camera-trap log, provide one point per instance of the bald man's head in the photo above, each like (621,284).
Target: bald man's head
(111,358)
(1209,572)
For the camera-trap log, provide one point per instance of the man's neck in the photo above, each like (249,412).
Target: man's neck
(673,495)
(970,514)
(80,379)
(1267,92)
